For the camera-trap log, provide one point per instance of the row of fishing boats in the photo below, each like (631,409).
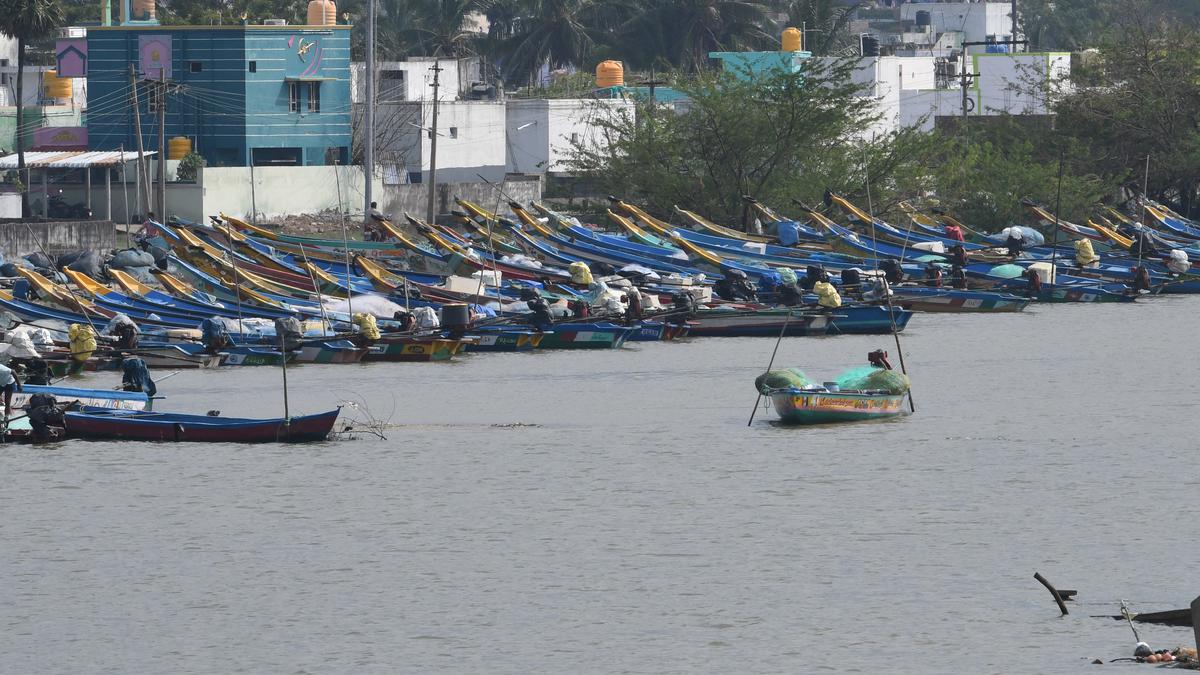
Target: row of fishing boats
(231,293)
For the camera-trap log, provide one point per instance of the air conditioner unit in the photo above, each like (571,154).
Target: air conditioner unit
(274,22)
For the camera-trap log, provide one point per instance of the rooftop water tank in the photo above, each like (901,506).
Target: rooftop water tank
(178,146)
(322,13)
(924,18)
(610,74)
(793,40)
(55,87)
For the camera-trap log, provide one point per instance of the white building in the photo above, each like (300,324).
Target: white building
(412,80)
(542,134)
(976,21)
(470,141)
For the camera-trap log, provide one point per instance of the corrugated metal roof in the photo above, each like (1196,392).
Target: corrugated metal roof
(70,159)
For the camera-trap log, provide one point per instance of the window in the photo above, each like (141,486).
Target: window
(574,139)
(196,67)
(253,66)
(314,97)
(453,132)
(276,157)
(294,96)
(392,86)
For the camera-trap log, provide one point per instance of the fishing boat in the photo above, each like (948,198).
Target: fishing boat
(411,349)
(108,424)
(866,393)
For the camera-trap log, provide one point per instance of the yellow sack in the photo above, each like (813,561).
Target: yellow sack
(366,325)
(83,341)
(1084,253)
(827,295)
(580,273)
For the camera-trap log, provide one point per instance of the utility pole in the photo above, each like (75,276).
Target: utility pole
(369,111)
(1013,36)
(143,176)
(162,145)
(433,136)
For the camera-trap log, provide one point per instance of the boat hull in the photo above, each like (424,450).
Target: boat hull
(807,407)
(95,424)
(413,350)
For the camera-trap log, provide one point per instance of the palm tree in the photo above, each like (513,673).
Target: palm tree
(558,32)
(25,20)
(826,23)
(424,27)
(683,32)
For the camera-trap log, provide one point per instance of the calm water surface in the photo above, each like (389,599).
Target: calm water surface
(611,512)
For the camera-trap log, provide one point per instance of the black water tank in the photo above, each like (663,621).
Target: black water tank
(869,44)
(924,18)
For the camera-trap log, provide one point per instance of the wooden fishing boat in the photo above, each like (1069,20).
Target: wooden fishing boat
(586,336)
(96,398)
(506,341)
(413,349)
(109,424)
(803,406)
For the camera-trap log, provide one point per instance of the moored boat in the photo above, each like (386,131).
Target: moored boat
(109,424)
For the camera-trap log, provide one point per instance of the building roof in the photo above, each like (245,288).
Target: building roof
(70,159)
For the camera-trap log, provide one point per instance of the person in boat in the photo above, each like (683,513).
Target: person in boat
(1015,242)
(958,255)
(933,275)
(407,321)
(633,310)
(958,277)
(1141,278)
(10,382)
(734,286)
(371,228)
(1143,244)
(125,335)
(954,232)
(879,359)
(1033,283)
(136,377)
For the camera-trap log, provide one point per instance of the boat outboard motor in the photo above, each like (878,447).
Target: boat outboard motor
(37,371)
(958,277)
(288,333)
(878,358)
(528,293)
(137,377)
(684,307)
(44,415)
(1143,244)
(539,316)
(789,295)
(892,271)
(851,279)
(812,274)
(958,255)
(214,336)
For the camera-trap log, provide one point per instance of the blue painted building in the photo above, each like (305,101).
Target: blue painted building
(271,95)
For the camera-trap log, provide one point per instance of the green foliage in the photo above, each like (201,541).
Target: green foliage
(189,167)
(778,137)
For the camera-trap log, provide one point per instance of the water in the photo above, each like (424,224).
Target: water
(611,512)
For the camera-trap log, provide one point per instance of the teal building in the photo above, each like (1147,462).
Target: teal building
(263,94)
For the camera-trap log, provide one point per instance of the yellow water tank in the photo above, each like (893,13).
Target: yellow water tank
(610,74)
(55,87)
(178,147)
(793,40)
(322,13)
(143,10)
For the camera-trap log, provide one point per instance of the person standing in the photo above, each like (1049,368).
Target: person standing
(9,383)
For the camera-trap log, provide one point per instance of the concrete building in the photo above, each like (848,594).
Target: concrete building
(936,28)
(274,95)
(542,133)
(470,141)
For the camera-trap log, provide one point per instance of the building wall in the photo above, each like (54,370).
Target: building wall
(542,132)
(56,237)
(226,109)
(418,79)
(976,20)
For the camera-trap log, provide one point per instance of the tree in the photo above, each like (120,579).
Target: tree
(681,33)
(1141,98)
(26,20)
(779,136)
(554,32)
(826,23)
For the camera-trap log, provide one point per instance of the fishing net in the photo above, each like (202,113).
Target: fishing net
(870,377)
(1007,271)
(376,305)
(780,379)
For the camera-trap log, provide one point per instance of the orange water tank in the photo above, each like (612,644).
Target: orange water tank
(793,40)
(322,13)
(178,147)
(610,74)
(55,87)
